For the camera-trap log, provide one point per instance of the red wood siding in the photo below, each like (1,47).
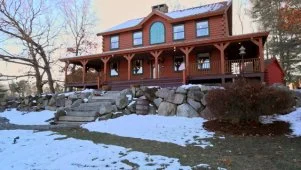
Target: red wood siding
(273,74)
(217,28)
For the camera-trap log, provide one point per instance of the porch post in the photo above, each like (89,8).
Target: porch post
(105,61)
(129,58)
(222,47)
(186,71)
(259,43)
(66,70)
(84,63)
(66,73)
(156,55)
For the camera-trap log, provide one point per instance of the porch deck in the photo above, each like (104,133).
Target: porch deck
(198,73)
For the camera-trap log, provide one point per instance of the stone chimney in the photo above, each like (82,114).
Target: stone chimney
(162,8)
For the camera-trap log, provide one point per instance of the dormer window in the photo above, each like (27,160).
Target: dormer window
(137,38)
(115,42)
(157,33)
(178,32)
(202,29)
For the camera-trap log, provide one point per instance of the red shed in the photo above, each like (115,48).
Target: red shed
(273,72)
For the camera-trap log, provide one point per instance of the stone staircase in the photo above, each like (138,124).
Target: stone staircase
(88,112)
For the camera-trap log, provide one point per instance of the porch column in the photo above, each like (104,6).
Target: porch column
(105,69)
(259,43)
(222,47)
(84,63)
(129,58)
(66,70)
(186,71)
(156,55)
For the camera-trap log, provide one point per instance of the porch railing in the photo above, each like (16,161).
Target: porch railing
(242,66)
(214,67)
(231,67)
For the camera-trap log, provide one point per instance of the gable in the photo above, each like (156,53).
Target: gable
(174,15)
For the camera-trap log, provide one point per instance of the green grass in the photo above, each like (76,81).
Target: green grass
(233,152)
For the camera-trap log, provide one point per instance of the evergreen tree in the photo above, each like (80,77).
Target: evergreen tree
(284,42)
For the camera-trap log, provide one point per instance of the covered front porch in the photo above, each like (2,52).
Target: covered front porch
(212,63)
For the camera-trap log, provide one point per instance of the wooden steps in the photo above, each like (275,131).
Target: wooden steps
(77,118)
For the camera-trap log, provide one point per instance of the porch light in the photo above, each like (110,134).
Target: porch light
(242,51)
(174,49)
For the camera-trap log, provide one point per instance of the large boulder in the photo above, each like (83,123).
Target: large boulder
(176,98)
(185,110)
(206,114)
(105,109)
(149,93)
(204,100)
(52,101)
(195,94)
(76,103)
(158,101)
(60,101)
(167,109)
(195,105)
(68,103)
(122,102)
(164,93)
(181,90)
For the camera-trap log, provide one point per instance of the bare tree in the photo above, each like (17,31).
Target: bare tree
(79,21)
(29,23)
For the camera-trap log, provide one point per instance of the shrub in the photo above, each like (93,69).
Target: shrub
(244,101)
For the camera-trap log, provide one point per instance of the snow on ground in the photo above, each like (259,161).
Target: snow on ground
(20,149)
(203,87)
(178,130)
(30,118)
(294,118)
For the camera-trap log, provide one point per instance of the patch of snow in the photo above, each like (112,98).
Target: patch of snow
(129,96)
(77,92)
(86,100)
(220,168)
(22,149)
(153,87)
(127,24)
(178,130)
(196,10)
(133,102)
(203,87)
(34,101)
(294,118)
(206,166)
(30,118)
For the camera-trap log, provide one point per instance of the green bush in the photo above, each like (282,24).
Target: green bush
(245,101)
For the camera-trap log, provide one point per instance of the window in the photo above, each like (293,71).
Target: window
(203,61)
(178,32)
(114,71)
(157,33)
(115,42)
(202,29)
(138,67)
(179,64)
(137,38)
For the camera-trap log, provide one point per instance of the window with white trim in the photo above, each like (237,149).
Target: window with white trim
(137,38)
(178,32)
(115,42)
(202,29)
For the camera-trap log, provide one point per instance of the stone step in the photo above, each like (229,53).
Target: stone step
(77,118)
(102,100)
(88,107)
(82,114)
(70,123)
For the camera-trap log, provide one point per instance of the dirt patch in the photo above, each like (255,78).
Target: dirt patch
(249,128)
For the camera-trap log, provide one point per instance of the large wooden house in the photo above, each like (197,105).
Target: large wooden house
(193,45)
